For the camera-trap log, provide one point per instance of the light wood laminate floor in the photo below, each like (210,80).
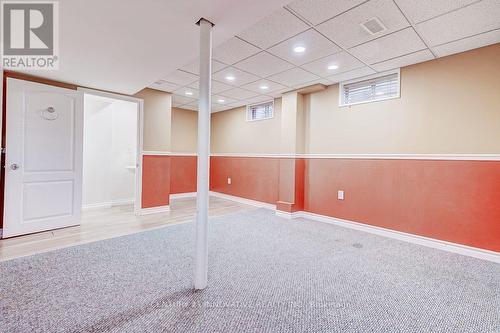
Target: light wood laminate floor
(112,222)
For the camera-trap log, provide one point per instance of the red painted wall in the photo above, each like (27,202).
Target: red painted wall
(455,201)
(155,181)
(165,175)
(251,177)
(182,174)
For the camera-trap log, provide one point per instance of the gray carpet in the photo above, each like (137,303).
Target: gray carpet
(267,274)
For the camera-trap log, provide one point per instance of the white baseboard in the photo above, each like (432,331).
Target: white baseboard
(153,210)
(183,195)
(121,202)
(415,239)
(287,215)
(249,202)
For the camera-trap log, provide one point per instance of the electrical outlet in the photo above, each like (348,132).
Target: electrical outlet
(340,195)
(228,181)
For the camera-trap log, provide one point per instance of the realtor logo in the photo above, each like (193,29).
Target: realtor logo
(30,35)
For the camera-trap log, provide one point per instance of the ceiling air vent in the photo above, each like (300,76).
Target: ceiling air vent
(160,82)
(373,26)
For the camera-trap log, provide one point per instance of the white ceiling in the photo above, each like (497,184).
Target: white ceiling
(262,55)
(126,45)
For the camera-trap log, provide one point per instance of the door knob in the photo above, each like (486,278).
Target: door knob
(14,166)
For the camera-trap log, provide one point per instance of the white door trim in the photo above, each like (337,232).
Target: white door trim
(140,141)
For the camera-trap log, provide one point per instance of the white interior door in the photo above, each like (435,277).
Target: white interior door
(43,169)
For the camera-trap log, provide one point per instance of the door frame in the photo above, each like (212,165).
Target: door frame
(140,138)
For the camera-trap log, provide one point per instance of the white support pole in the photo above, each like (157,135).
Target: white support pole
(204,106)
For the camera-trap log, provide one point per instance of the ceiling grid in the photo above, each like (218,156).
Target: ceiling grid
(310,41)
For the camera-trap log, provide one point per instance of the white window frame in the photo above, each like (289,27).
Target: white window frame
(247,113)
(369,77)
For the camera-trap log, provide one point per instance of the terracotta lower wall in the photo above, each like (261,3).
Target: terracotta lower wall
(455,201)
(155,180)
(251,177)
(182,174)
(163,175)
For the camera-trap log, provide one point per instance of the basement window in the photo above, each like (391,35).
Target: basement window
(373,88)
(260,111)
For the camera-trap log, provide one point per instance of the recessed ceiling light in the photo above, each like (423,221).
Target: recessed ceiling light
(221,100)
(230,77)
(333,66)
(299,49)
(264,87)
(189,93)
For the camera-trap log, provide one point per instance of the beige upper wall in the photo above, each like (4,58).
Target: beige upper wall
(448,106)
(292,124)
(232,133)
(184,130)
(157,119)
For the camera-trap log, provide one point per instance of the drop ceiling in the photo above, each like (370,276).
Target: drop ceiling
(262,61)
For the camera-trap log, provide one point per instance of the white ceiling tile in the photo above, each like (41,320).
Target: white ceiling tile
(241,78)
(273,29)
(325,82)
(471,20)
(181,100)
(316,45)
(164,86)
(391,46)
(217,87)
(343,60)
(317,11)
(465,44)
(222,100)
(228,107)
(196,84)
(239,94)
(217,108)
(194,67)
(271,87)
(279,93)
(403,61)
(346,30)
(180,77)
(186,92)
(293,77)
(176,104)
(421,10)
(191,106)
(263,64)
(236,105)
(233,51)
(354,74)
(258,99)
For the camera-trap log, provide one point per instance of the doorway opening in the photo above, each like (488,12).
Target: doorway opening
(111,152)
